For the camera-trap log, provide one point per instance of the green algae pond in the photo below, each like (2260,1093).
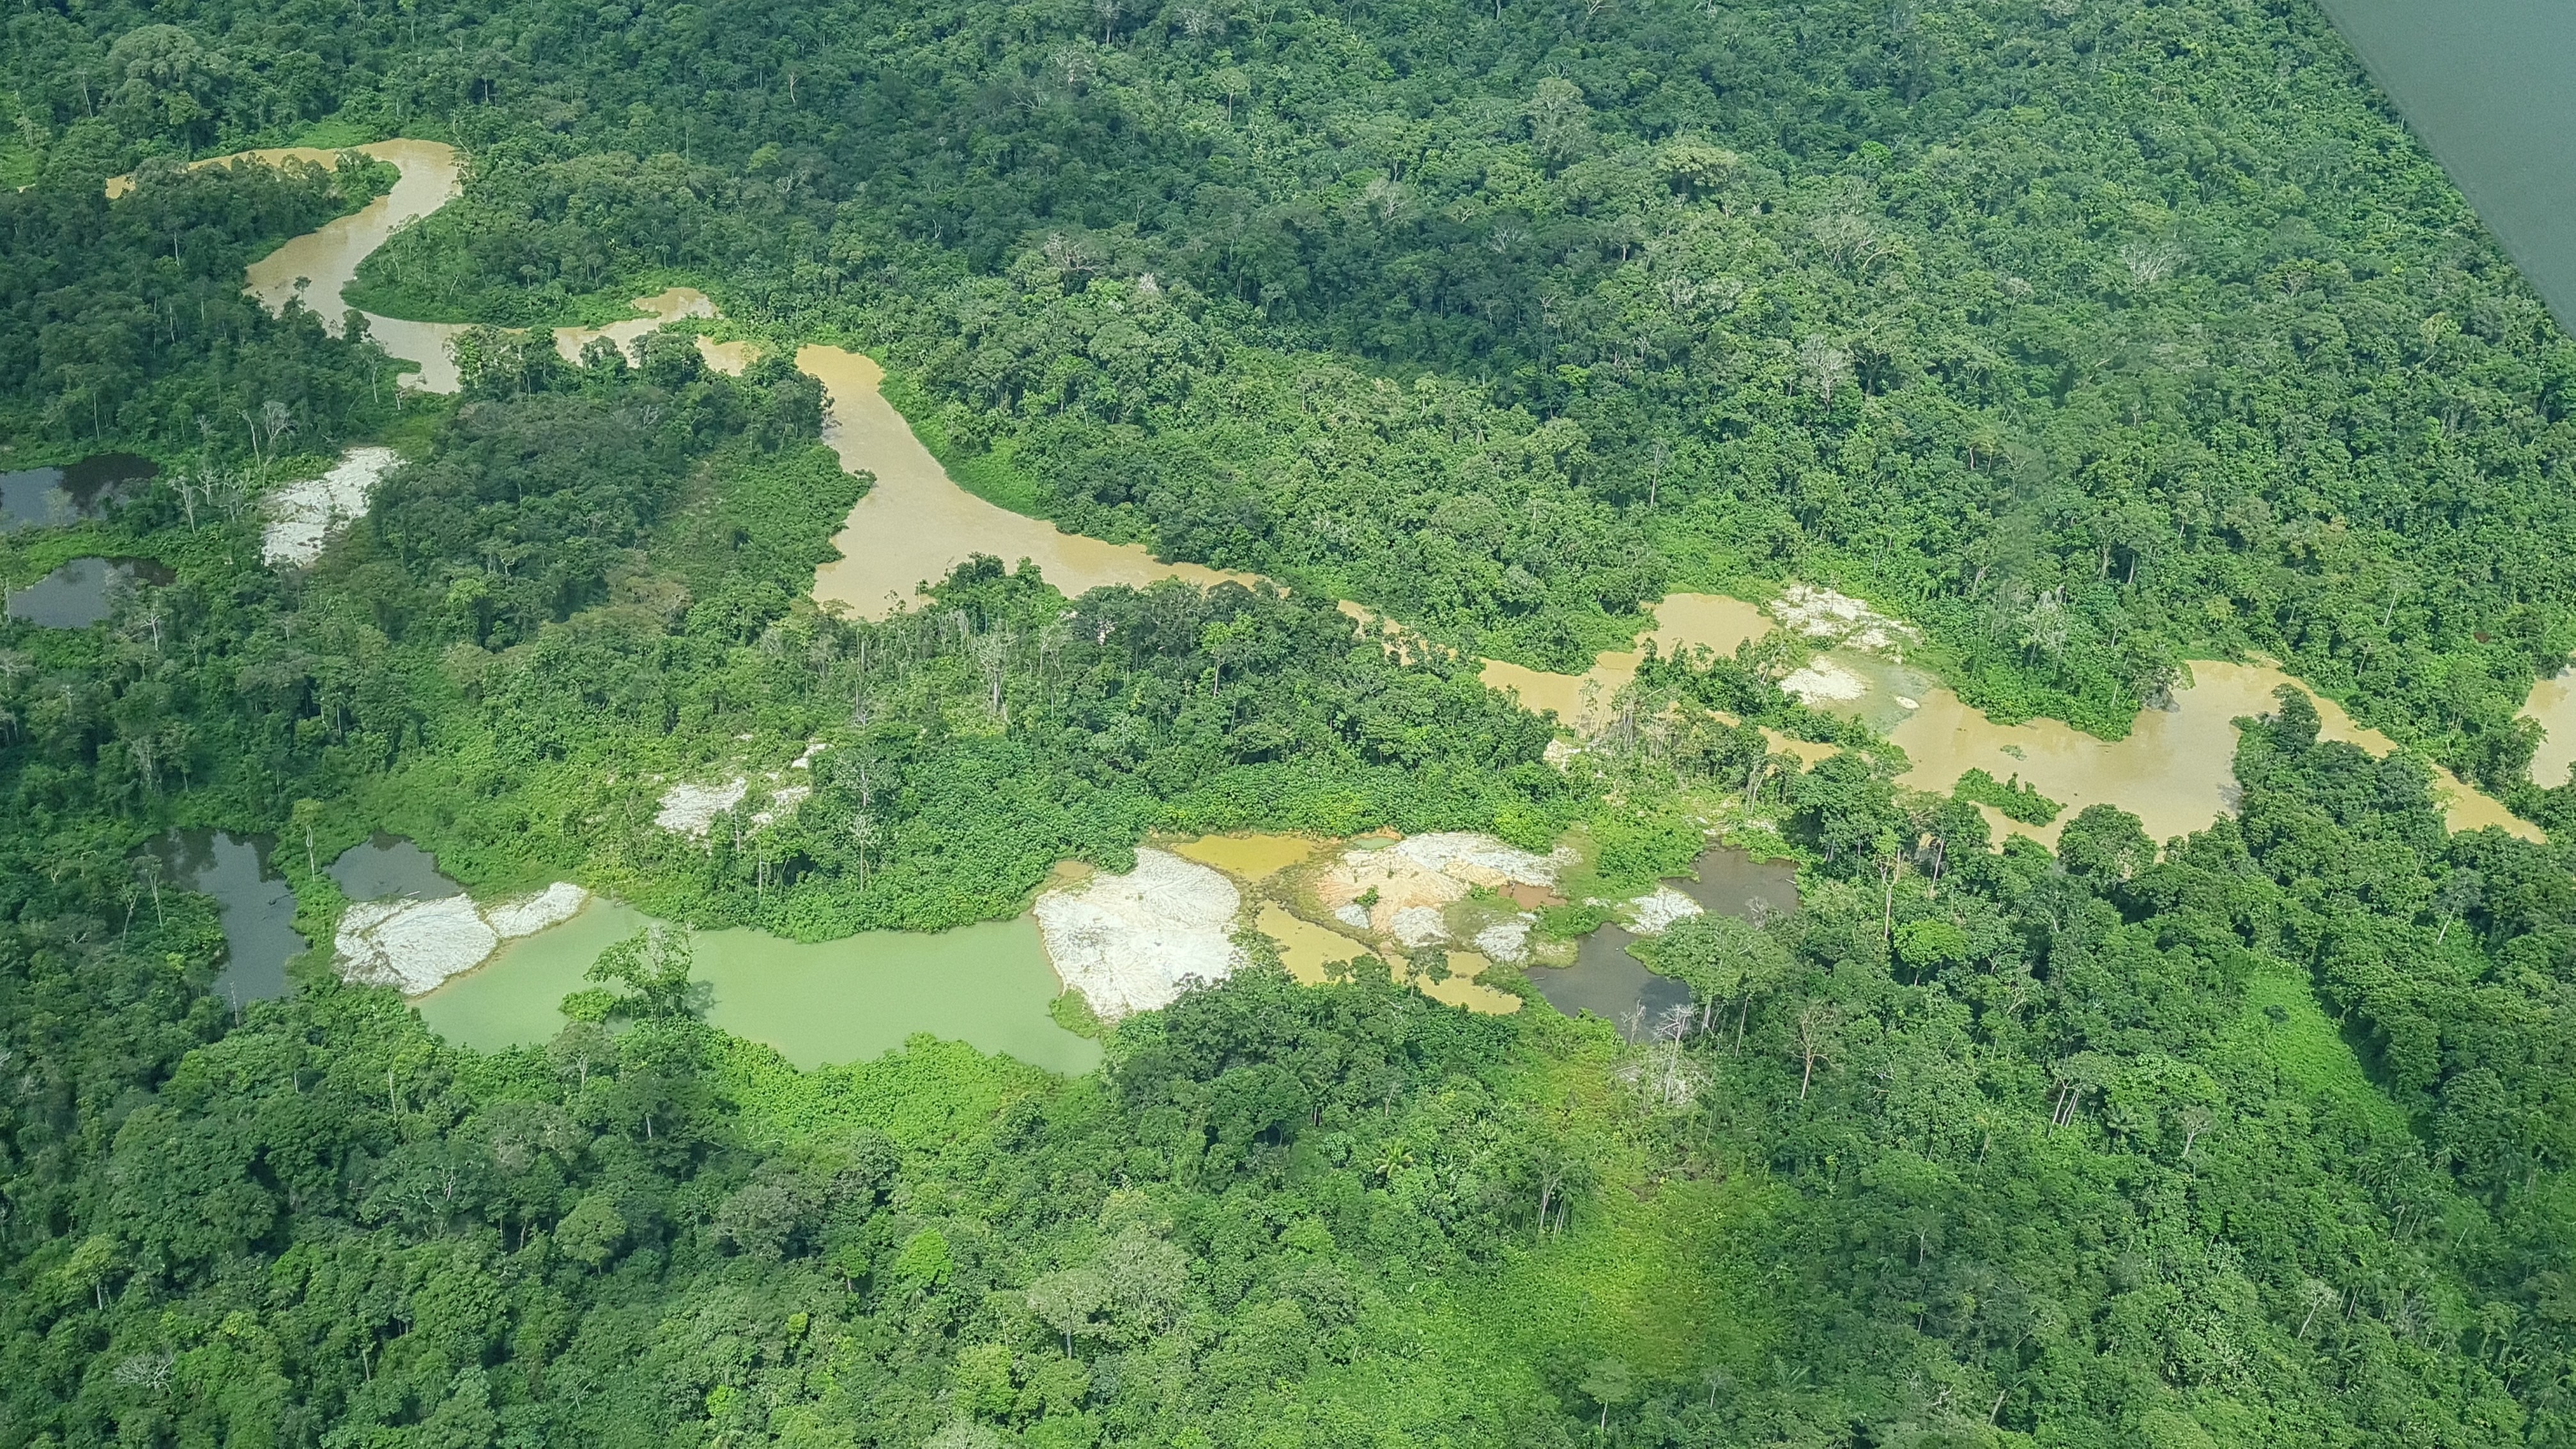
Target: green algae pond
(819,1004)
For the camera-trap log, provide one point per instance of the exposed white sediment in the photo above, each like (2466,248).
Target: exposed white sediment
(688,809)
(1821,613)
(1653,913)
(303,515)
(1823,681)
(1419,926)
(1135,942)
(527,915)
(1425,873)
(413,945)
(1505,941)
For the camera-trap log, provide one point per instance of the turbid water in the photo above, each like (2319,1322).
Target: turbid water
(388,867)
(916,524)
(253,902)
(55,497)
(1682,621)
(836,1001)
(2175,771)
(2489,87)
(320,263)
(81,592)
(2553,706)
(1249,858)
(1306,949)
(672,304)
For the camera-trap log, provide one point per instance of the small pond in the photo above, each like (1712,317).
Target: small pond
(818,1004)
(78,594)
(1613,985)
(388,867)
(255,905)
(51,497)
(1608,982)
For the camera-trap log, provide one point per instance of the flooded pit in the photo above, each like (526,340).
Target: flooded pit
(82,592)
(1609,983)
(835,1001)
(1306,949)
(1733,882)
(58,497)
(252,901)
(1249,858)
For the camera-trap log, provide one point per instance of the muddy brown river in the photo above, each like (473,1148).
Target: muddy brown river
(917,523)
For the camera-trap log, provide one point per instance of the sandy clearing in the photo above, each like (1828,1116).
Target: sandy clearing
(1135,942)
(305,513)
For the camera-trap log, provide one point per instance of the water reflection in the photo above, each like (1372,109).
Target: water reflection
(81,592)
(53,497)
(388,867)
(253,901)
(1733,883)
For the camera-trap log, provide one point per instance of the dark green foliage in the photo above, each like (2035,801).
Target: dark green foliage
(125,322)
(2016,800)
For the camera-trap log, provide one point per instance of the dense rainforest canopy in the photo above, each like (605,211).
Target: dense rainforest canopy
(2091,337)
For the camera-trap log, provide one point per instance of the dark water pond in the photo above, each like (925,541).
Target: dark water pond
(77,595)
(389,867)
(1615,986)
(51,497)
(1732,883)
(1611,984)
(2490,89)
(257,908)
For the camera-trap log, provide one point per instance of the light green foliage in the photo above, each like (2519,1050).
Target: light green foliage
(653,965)
(2016,800)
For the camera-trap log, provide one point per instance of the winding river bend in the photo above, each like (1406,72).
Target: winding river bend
(917,523)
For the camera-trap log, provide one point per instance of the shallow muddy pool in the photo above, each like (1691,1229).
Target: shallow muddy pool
(81,592)
(916,524)
(55,497)
(1249,858)
(255,905)
(836,1001)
